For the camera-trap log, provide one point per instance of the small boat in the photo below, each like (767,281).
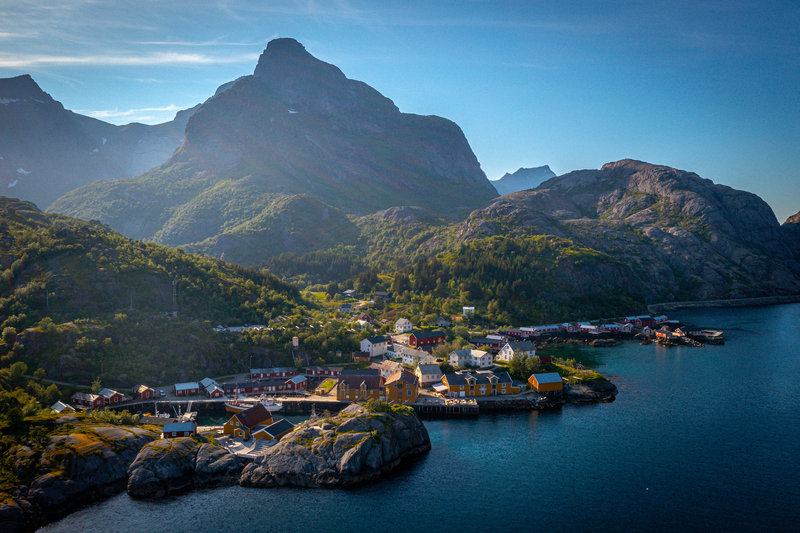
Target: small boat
(240,404)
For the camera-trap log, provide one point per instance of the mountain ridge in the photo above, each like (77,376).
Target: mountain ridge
(523,178)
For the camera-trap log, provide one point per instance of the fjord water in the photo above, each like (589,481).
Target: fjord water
(698,439)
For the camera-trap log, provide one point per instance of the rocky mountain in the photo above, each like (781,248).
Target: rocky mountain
(296,126)
(522,179)
(791,232)
(683,236)
(46,150)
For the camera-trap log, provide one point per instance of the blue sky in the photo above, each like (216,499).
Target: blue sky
(707,86)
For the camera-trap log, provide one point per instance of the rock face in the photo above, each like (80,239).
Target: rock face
(684,237)
(352,447)
(298,125)
(522,179)
(598,390)
(170,466)
(75,469)
(46,150)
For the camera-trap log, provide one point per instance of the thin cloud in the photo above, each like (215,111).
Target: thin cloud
(151,60)
(140,113)
(196,43)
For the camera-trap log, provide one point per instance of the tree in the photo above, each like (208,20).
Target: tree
(96,385)
(9,335)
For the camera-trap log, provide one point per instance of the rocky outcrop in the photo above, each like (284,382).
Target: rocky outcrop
(598,390)
(171,466)
(354,446)
(683,237)
(75,469)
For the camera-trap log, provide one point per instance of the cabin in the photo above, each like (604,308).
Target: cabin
(60,407)
(360,387)
(507,352)
(665,334)
(364,319)
(403,325)
(626,328)
(323,371)
(586,327)
(442,322)
(426,340)
(241,424)
(207,383)
(660,319)
(465,384)
(190,388)
(215,391)
(361,357)
(375,346)
(494,342)
(470,357)
(647,331)
(412,357)
(610,328)
(273,431)
(174,430)
(297,383)
(272,373)
(569,328)
(254,387)
(90,401)
(143,392)
(538,331)
(428,374)
(546,382)
(640,321)
(111,397)
(402,387)
(349,293)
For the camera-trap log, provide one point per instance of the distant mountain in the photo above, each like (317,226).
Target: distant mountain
(522,179)
(46,150)
(684,237)
(296,126)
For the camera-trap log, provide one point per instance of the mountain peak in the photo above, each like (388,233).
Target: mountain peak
(287,57)
(20,87)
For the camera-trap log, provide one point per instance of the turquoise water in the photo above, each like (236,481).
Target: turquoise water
(702,439)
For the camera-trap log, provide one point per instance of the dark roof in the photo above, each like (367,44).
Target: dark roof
(281,426)
(403,375)
(274,370)
(374,340)
(427,334)
(354,382)
(253,416)
(360,372)
(481,377)
(522,346)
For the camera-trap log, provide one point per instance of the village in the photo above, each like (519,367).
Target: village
(400,367)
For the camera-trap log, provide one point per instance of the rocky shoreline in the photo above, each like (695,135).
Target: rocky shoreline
(730,302)
(595,391)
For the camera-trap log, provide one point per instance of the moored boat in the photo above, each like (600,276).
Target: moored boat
(240,404)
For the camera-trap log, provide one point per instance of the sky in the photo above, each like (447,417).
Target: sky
(712,87)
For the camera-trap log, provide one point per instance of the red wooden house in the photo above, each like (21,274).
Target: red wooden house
(271,373)
(426,340)
(296,383)
(91,401)
(111,396)
(361,357)
(190,388)
(143,392)
(323,371)
(173,430)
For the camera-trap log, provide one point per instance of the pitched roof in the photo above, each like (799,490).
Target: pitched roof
(376,340)
(279,427)
(403,375)
(179,426)
(391,365)
(547,377)
(85,396)
(360,372)
(107,393)
(60,406)
(274,370)
(522,346)
(141,388)
(427,334)
(189,385)
(296,379)
(253,416)
(207,382)
(430,369)
(482,377)
(355,381)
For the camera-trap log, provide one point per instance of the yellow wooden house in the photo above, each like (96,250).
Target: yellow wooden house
(546,382)
(402,387)
(360,388)
(241,424)
(466,384)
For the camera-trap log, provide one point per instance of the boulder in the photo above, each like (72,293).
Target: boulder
(351,447)
(598,390)
(170,466)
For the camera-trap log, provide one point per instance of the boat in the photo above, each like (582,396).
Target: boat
(240,404)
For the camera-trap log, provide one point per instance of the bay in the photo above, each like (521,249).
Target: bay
(699,439)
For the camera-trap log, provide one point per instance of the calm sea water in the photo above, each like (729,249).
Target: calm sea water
(698,439)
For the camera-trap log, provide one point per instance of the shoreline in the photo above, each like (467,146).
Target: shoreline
(724,303)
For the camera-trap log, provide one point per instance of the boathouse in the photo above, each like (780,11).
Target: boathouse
(546,382)
(190,388)
(273,431)
(174,430)
(241,424)
(143,392)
